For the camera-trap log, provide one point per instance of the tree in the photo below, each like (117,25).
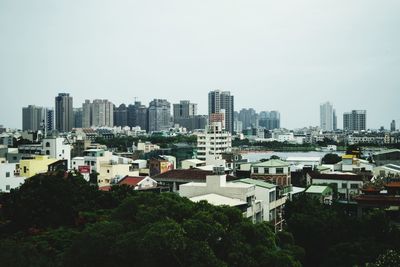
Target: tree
(331,158)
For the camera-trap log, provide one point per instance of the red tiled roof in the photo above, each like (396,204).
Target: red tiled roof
(105,188)
(189,175)
(131,180)
(338,176)
(393,185)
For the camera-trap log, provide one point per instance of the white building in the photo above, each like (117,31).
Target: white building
(9,178)
(147,147)
(219,192)
(327,117)
(192,163)
(213,142)
(55,148)
(348,184)
(272,203)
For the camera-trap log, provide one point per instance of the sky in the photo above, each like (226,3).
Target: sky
(281,55)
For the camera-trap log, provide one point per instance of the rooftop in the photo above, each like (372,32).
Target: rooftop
(219,200)
(131,180)
(382,152)
(188,175)
(306,159)
(338,176)
(317,189)
(272,163)
(256,183)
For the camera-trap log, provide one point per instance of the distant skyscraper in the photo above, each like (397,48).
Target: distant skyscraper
(184,109)
(78,116)
(49,119)
(185,114)
(270,119)
(86,114)
(219,101)
(32,118)
(102,113)
(356,120)
(334,120)
(248,117)
(121,116)
(327,117)
(64,113)
(159,115)
(393,126)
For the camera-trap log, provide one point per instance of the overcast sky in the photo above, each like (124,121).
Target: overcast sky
(272,55)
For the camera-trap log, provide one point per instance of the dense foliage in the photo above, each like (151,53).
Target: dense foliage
(331,236)
(331,158)
(60,220)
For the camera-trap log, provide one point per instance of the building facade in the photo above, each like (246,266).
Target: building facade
(222,102)
(64,112)
(327,117)
(159,115)
(356,120)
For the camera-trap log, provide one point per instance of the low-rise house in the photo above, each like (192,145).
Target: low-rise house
(192,163)
(147,147)
(273,170)
(387,171)
(272,201)
(9,177)
(373,197)
(352,164)
(219,192)
(321,192)
(389,156)
(174,178)
(348,185)
(31,167)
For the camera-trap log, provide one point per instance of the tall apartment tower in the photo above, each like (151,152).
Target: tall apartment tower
(356,120)
(393,126)
(159,115)
(64,113)
(184,109)
(222,100)
(86,114)
(121,115)
(32,117)
(78,117)
(327,117)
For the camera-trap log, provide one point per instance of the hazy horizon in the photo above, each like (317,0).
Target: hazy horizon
(289,56)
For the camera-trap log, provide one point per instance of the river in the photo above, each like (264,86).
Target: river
(257,156)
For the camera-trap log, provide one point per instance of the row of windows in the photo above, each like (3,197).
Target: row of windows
(266,170)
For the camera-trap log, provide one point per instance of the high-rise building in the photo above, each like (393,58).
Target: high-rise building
(78,117)
(222,102)
(356,120)
(99,113)
(87,114)
(185,114)
(102,113)
(334,120)
(159,115)
(32,118)
(393,126)
(49,119)
(121,116)
(249,118)
(327,114)
(184,109)
(270,119)
(64,112)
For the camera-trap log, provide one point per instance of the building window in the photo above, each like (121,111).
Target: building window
(344,185)
(7,187)
(47,144)
(354,186)
(266,170)
(279,170)
(255,170)
(47,152)
(7,174)
(272,196)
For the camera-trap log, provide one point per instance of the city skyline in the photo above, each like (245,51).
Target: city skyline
(269,55)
